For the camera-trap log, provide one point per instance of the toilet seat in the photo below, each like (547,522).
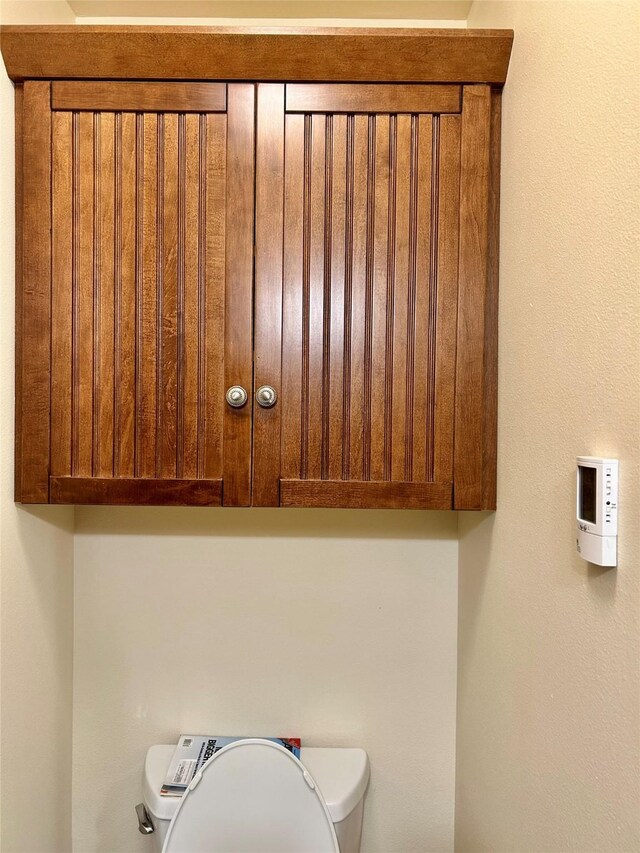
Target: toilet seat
(253,796)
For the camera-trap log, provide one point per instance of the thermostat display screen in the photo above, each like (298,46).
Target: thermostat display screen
(587,496)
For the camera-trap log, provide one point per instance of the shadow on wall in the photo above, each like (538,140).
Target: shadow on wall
(475,531)
(40,566)
(259,522)
(56,516)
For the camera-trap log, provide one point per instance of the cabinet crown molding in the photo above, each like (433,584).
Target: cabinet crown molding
(251,53)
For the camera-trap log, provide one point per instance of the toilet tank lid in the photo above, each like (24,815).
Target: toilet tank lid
(341,774)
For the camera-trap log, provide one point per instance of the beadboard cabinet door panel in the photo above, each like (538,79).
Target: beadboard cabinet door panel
(150,294)
(369,243)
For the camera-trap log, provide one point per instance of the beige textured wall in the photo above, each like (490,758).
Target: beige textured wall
(130,20)
(388,10)
(548,733)
(36,577)
(337,625)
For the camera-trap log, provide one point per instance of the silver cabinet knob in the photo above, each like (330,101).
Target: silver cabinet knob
(236,396)
(266,396)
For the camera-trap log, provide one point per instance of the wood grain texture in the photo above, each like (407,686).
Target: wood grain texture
(371,98)
(33,365)
(268,290)
(238,343)
(138,97)
(472,297)
(209,53)
(138,295)
(135,490)
(364,495)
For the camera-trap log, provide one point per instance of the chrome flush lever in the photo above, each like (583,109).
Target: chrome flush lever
(144,821)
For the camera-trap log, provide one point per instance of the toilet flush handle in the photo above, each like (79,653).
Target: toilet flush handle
(145,826)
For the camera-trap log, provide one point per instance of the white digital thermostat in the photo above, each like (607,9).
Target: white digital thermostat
(597,509)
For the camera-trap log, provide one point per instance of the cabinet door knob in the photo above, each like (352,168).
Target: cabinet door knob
(266,396)
(236,396)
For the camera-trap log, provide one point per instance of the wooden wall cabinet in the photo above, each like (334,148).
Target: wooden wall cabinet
(335,241)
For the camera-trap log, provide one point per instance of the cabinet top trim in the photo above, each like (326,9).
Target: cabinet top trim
(269,53)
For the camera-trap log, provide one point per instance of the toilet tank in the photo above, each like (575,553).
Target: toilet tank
(341,775)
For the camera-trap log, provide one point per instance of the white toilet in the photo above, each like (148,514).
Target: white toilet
(254,796)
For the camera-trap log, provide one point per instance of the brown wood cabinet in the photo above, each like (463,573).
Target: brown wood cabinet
(333,241)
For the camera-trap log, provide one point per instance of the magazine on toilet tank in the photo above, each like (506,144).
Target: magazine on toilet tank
(193,751)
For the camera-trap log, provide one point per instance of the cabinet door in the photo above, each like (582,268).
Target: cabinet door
(356,303)
(151,289)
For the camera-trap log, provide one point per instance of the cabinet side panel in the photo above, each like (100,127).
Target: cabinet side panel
(65,127)
(472,297)
(239,290)
(33,366)
(490,437)
(17,450)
